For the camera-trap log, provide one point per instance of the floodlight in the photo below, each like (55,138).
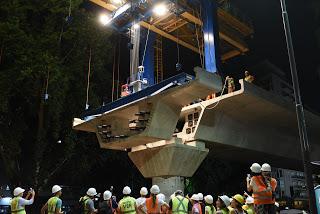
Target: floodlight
(104,19)
(160,9)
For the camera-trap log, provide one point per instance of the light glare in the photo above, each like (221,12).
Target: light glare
(136,26)
(160,9)
(104,19)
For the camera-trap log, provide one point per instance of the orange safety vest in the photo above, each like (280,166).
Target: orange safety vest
(152,208)
(261,194)
(199,208)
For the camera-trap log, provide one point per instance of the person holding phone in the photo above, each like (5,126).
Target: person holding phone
(18,203)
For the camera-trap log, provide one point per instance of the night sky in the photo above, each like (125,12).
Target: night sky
(268,43)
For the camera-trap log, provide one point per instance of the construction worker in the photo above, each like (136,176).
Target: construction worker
(201,202)
(127,205)
(108,205)
(164,208)
(53,205)
(248,77)
(236,203)
(18,203)
(263,188)
(209,208)
(196,207)
(142,199)
(222,204)
(153,203)
(249,207)
(87,203)
(255,174)
(231,86)
(179,204)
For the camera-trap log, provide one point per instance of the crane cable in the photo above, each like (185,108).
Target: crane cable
(145,45)
(118,61)
(113,72)
(46,95)
(88,80)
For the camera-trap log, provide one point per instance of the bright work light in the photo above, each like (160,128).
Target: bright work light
(160,9)
(104,19)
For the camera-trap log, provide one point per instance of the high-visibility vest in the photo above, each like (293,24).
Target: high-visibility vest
(250,209)
(52,203)
(84,200)
(223,211)
(127,205)
(14,206)
(211,209)
(152,208)
(180,205)
(261,193)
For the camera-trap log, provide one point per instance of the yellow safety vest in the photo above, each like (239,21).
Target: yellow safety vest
(15,205)
(211,209)
(127,205)
(180,205)
(52,203)
(85,199)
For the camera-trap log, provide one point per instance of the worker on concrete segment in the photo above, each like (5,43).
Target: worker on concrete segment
(127,205)
(209,208)
(196,207)
(249,207)
(142,199)
(163,209)
(18,203)
(231,86)
(236,203)
(211,96)
(248,77)
(108,205)
(263,188)
(179,204)
(201,202)
(153,203)
(54,204)
(222,204)
(87,203)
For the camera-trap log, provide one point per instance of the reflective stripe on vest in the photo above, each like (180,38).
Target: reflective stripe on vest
(179,202)
(14,206)
(152,208)
(261,193)
(127,205)
(52,203)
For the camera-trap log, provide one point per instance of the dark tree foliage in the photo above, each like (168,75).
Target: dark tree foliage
(42,48)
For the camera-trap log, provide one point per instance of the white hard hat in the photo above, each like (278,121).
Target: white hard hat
(143,191)
(91,192)
(195,197)
(255,167)
(208,199)
(126,190)
(55,189)
(226,200)
(161,197)
(249,200)
(200,195)
(266,167)
(17,191)
(107,195)
(155,189)
(276,204)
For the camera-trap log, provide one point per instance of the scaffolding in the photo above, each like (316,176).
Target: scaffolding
(158,64)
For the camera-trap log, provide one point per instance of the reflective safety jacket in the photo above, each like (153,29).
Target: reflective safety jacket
(127,205)
(262,194)
(153,208)
(15,206)
(180,205)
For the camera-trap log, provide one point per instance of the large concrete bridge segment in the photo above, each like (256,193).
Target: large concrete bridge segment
(251,119)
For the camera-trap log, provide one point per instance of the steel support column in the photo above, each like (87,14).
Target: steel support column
(209,16)
(148,62)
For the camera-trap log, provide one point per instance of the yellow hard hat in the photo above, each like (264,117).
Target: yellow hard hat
(245,207)
(239,198)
